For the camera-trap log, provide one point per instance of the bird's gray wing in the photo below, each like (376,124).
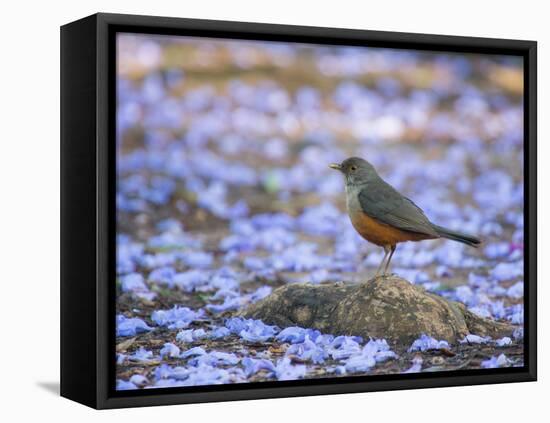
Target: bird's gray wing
(382,202)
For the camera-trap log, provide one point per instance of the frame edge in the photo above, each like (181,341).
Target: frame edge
(78,169)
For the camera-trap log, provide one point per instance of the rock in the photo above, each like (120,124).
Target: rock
(385,307)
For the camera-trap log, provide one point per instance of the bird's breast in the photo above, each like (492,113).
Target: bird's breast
(352,199)
(373,230)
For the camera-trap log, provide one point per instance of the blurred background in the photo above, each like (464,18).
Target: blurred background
(224,190)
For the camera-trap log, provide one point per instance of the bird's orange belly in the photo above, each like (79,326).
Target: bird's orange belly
(381,234)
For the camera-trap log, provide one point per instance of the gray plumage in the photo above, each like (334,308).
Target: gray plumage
(382,202)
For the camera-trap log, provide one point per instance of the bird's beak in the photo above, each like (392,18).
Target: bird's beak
(335,166)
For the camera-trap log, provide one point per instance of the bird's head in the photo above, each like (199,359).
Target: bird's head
(356,170)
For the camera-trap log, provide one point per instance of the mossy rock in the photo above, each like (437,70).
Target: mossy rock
(385,307)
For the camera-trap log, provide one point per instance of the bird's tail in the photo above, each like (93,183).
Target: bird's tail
(470,240)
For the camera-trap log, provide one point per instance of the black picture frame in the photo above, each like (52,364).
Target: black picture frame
(88,209)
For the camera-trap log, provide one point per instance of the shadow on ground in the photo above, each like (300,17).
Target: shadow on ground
(51,387)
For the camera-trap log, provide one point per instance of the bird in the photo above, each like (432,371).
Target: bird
(383,216)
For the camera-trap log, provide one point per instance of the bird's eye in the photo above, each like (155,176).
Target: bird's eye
(353,168)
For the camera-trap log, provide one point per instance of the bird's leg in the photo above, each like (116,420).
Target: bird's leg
(392,250)
(386,252)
